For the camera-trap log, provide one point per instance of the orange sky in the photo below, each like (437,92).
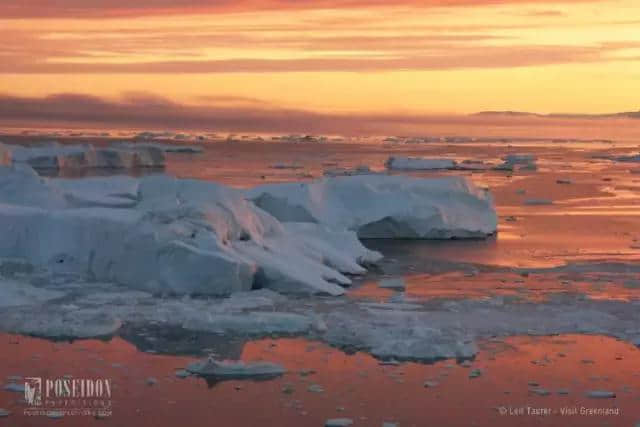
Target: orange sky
(329,56)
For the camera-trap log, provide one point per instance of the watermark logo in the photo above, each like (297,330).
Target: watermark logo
(68,396)
(33,391)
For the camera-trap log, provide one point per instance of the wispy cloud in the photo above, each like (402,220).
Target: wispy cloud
(118,8)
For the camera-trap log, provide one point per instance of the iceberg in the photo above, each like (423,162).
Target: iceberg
(381,206)
(166,235)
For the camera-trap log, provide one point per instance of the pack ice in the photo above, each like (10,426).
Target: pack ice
(382,206)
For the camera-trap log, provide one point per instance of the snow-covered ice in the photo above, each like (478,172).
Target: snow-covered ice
(380,206)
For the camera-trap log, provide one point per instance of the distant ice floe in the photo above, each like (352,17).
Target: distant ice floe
(632,158)
(167,148)
(511,162)
(416,163)
(401,163)
(212,368)
(57,157)
(382,206)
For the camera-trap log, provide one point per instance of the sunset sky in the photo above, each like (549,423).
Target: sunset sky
(329,56)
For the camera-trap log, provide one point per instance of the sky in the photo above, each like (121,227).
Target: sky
(318,59)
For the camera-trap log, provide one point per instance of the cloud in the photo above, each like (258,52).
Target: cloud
(115,8)
(439,57)
(141,110)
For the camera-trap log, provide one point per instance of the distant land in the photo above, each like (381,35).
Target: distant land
(627,114)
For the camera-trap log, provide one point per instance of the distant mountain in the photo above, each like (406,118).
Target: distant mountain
(627,114)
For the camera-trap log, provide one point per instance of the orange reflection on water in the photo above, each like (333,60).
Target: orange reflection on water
(527,287)
(355,386)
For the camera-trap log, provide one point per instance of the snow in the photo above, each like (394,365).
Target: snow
(381,206)
(416,163)
(166,235)
(56,157)
(210,367)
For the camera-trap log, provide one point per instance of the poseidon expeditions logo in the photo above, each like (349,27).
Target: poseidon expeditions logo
(33,391)
(68,396)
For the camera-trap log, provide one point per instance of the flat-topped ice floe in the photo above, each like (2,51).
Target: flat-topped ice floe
(167,235)
(381,206)
(56,157)
(417,163)
(210,367)
(167,148)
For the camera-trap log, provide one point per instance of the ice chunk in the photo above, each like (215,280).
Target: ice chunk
(235,370)
(417,163)
(381,206)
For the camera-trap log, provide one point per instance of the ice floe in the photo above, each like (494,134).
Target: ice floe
(513,162)
(417,163)
(210,367)
(167,148)
(56,157)
(358,170)
(380,206)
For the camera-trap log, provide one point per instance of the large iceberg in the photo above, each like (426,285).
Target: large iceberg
(55,157)
(167,235)
(381,206)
